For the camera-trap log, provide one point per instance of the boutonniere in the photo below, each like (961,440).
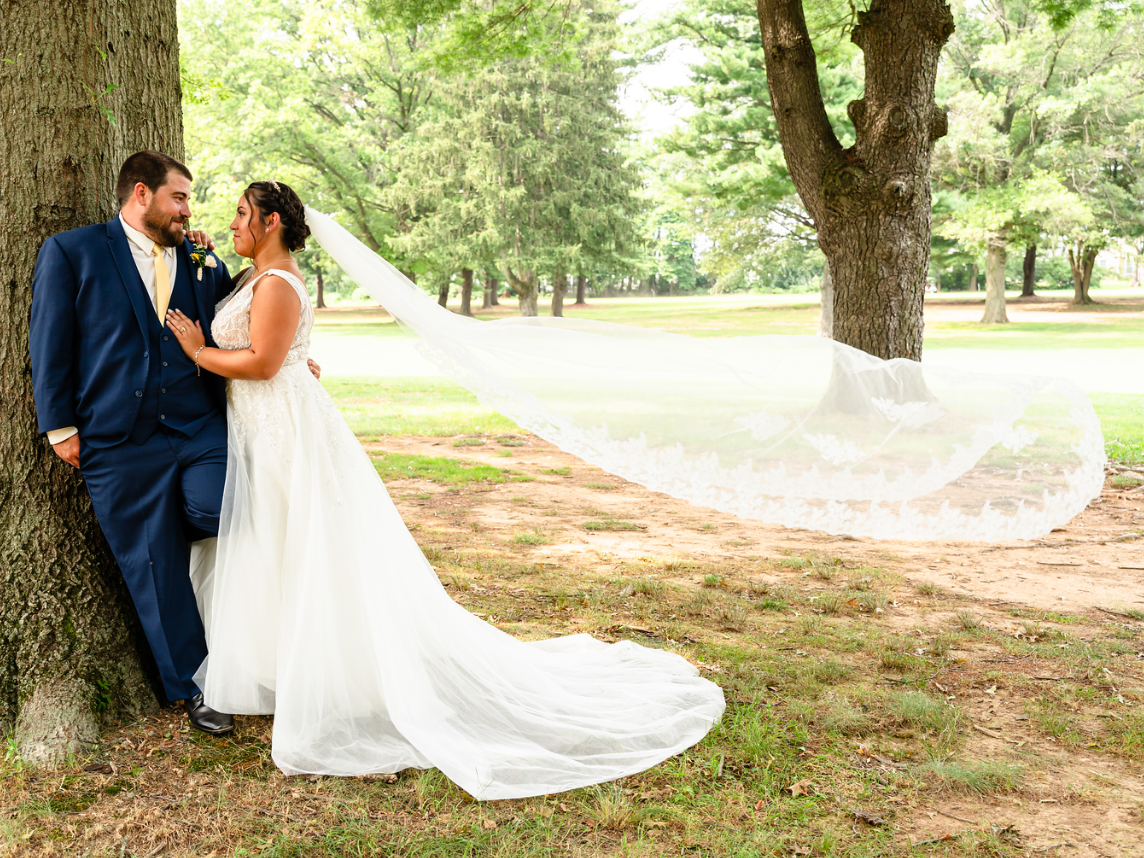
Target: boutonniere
(203,259)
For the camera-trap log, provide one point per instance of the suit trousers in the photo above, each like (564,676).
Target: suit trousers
(151,500)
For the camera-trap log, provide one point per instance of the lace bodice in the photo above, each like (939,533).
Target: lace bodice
(231,326)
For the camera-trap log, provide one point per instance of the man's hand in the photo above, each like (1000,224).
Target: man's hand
(314,368)
(68,450)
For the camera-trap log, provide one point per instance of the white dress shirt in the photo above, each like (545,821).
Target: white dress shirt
(142,254)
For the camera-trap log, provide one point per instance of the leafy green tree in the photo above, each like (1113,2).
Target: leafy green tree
(320,93)
(522,168)
(1038,99)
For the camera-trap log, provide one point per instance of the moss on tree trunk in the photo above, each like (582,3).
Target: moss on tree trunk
(69,637)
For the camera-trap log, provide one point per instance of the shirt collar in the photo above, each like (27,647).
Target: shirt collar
(141,240)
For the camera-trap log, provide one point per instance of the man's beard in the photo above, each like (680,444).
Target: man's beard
(166,231)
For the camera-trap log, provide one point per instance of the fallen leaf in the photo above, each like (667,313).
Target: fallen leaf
(545,812)
(489,824)
(799,788)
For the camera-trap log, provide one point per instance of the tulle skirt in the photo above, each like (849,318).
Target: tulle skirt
(321,609)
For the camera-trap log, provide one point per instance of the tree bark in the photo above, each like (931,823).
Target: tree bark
(870,203)
(494,286)
(973,278)
(559,288)
(443,293)
(1135,282)
(826,311)
(466,291)
(995,257)
(70,657)
(581,288)
(321,288)
(524,285)
(1029,272)
(1081,261)
(490,284)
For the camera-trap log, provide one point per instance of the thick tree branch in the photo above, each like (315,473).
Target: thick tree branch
(809,143)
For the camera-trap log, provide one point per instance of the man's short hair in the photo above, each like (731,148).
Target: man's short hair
(150,168)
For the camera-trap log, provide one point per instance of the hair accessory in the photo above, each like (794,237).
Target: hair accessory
(275,184)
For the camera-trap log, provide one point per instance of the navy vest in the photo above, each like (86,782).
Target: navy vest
(174,397)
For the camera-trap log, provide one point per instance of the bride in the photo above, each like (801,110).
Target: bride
(322,610)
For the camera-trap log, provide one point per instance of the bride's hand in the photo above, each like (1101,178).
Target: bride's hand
(188,333)
(200,239)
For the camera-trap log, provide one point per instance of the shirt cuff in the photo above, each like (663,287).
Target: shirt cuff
(57,435)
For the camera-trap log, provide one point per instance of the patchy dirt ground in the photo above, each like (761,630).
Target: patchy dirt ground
(1097,561)
(1086,578)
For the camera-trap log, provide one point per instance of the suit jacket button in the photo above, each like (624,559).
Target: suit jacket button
(162,416)
(145,354)
(165,338)
(164,363)
(162,390)
(139,393)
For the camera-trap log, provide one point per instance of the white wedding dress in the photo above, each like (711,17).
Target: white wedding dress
(322,610)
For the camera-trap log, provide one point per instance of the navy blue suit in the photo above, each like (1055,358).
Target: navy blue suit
(152,431)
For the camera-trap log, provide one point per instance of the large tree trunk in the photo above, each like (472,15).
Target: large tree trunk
(1135,272)
(443,293)
(321,288)
(870,203)
(826,310)
(68,633)
(995,257)
(524,285)
(559,288)
(466,291)
(494,286)
(1029,272)
(1081,261)
(581,288)
(973,278)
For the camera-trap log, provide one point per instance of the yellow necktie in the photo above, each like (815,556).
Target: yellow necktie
(162,283)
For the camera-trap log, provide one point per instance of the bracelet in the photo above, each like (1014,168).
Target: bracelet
(199,369)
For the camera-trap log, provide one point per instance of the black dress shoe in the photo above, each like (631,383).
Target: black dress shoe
(206,719)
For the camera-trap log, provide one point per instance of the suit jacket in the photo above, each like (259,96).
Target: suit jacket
(93,333)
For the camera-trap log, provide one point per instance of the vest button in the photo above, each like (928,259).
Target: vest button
(145,354)
(165,338)
(164,363)
(139,393)
(162,416)
(162,390)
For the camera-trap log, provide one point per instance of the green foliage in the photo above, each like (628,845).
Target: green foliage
(521,167)
(724,161)
(1045,120)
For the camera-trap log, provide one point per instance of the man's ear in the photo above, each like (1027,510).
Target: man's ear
(142,194)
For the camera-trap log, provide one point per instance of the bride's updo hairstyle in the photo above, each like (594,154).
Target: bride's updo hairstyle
(269,197)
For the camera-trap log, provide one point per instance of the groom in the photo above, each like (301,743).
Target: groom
(119,400)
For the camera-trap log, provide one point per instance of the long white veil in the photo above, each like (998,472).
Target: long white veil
(799,431)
